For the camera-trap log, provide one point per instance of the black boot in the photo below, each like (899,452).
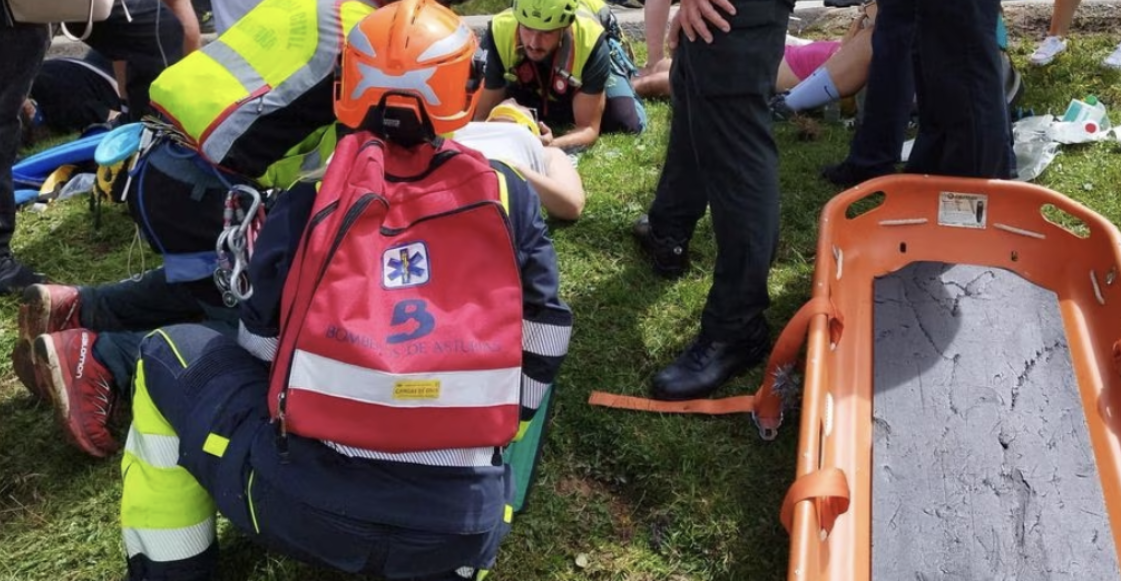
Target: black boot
(846,175)
(706,365)
(14,277)
(668,257)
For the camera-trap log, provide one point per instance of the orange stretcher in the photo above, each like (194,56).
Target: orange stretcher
(828,509)
(878,228)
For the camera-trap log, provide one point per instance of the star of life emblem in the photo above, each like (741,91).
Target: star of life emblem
(405,266)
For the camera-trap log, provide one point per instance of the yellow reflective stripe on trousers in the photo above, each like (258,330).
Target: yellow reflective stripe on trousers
(504,190)
(170,345)
(165,513)
(161,498)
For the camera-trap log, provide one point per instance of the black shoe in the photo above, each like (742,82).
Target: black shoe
(14,277)
(780,111)
(706,365)
(669,258)
(846,175)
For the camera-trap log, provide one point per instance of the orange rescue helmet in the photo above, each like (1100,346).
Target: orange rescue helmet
(410,62)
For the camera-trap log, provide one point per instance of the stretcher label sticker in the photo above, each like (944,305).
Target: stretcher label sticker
(413,389)
(962,210)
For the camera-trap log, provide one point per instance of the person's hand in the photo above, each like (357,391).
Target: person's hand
(546,133)
(649,67)
(694,16)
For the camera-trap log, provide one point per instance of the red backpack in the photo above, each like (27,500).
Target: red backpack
(401,317)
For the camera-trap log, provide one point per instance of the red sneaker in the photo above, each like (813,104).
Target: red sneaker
(80,387)
(46,308)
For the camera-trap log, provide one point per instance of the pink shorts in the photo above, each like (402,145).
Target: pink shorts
(804,60)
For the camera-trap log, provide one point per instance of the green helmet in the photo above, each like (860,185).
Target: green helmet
(545,14)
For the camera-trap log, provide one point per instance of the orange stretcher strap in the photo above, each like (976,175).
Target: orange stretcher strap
(784,353)
(727,405)
(828,488)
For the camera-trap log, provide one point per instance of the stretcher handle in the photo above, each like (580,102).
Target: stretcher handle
(828,488)
(837,208)
(769,400)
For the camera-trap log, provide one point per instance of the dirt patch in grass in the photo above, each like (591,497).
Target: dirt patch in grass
(1030,20)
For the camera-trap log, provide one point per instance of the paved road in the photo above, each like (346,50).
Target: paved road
(631,18)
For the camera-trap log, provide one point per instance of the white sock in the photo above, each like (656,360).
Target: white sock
(814,91)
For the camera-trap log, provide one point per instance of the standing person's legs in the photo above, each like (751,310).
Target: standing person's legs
(733,166)
(963,121)
(23,48)
(678,204)
(1061,17)
(1055,42)
(890,91)
(740,172)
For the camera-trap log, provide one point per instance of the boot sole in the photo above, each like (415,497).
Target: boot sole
(23,363)
(51,373)
(36,308)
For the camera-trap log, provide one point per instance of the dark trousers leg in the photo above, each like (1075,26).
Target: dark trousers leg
(151,42)
(138,305)
(963,121)
(722,155)
(22,48)
(889,91)
(124,313)
(678,204)
(209,390)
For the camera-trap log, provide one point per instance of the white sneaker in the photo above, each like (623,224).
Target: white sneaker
(1113,61)
(1047,51)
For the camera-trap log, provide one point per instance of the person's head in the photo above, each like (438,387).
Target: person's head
(509,111)
(409,72)
(541,25)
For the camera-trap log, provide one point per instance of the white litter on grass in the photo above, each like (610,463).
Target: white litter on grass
(1036,139)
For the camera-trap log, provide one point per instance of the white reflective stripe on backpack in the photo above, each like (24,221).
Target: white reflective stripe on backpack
(445,389)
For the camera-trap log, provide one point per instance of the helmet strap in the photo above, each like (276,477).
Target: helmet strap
(401,125)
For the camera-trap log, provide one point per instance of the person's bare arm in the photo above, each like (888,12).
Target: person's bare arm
(561,190)
(587,112)
(487,101)
(192,35)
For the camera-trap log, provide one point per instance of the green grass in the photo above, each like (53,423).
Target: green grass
(621,496)
(471,7)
